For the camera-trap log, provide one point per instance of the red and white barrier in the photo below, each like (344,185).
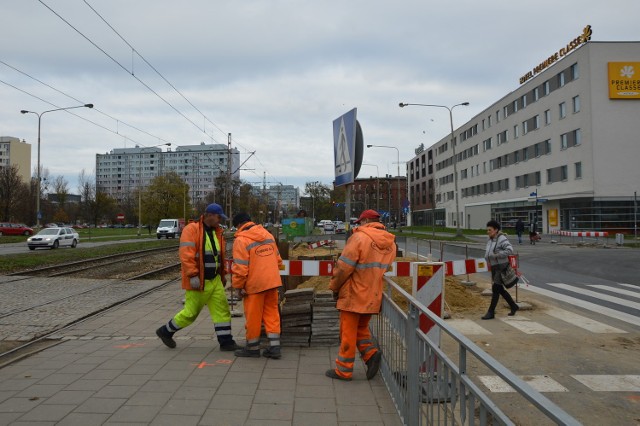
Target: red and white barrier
(428,288)
(320,244)
(581,233)
(324,268)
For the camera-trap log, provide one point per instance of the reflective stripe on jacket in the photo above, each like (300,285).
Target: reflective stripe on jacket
(192,247)
(357,277)
(256,260)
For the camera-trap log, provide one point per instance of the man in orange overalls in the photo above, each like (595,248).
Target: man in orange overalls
(256,276)
(357,285)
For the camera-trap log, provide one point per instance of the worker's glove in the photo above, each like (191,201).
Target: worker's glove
(195,282)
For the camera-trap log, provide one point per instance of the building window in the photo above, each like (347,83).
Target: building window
(526,180)
(563,110)
(561,79)
(486,144)
(576,104)
(549,175)
(536,94)
(515,106)
(547,117)
(563,173)
(536,122)
(516,131)
(574,71)
(577,137)
(497,116)
(547,147)
(483,124)
(505,112)
(564,141)
(518,185)
(546,88)
(525,154)
(524,101)
(578,170)
(538,179)
(525,127)
(489,121)
(536,150)
(516,157)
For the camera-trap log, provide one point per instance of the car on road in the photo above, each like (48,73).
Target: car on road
(15,229)
(340,227)
(54,238)
(329,227)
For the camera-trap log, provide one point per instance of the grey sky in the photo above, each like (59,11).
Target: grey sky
(274,73)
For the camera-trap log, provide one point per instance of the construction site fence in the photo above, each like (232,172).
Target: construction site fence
(435,386)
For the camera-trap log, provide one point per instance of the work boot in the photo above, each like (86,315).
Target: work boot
(373,365)
(272,352)
(229,346)
(332,373)
(489,315)
(247,353)
(166,336)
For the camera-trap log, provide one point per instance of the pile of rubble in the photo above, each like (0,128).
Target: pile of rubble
(325,324)
(295,317)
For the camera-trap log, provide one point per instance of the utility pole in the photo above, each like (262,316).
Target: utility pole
(635,216)
(229,185)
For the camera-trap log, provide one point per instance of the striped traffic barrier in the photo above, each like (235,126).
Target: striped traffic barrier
(324,268)
(580,233)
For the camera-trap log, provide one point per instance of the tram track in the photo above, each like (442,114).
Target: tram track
(14,353)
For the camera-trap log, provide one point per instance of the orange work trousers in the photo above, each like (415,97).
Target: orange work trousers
(354,333)
(262,308)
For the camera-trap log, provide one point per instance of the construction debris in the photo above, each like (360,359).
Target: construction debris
(325,326)
(295,317)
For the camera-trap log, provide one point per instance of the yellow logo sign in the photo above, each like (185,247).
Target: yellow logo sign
(624,80)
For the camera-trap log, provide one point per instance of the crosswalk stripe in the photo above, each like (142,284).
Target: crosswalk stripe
(582,322)
(616,290)
(630,285)
(540,383)
(467,327)
(527,326)
(610,383)
(612,313)
(601,296)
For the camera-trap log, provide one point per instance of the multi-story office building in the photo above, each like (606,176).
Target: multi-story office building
(18,153)
(282,197)
(123,170)
(561,149)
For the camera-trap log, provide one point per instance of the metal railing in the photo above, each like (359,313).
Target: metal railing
(427,385)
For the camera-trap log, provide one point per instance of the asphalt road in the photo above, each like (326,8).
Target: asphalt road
(18,248)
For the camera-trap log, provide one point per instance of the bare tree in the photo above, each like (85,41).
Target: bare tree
(13,192)
(87,191)
(61,188)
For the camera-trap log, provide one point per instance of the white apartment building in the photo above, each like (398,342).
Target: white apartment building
(123,170)
(18,153)
(561,149)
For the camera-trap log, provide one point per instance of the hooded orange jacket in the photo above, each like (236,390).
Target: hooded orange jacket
(369,253)
(192,246)
(256,260)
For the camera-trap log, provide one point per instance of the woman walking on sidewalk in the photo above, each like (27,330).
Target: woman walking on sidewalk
(497,255)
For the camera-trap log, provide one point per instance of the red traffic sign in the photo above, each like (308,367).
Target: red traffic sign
(120,216)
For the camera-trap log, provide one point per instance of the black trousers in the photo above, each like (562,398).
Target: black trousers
(497,290)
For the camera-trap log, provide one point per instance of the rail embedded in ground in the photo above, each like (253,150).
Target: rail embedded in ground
(429,387)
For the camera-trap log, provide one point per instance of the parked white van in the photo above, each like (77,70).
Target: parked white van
(169,228)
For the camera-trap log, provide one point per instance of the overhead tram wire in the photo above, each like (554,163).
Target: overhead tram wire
(134,50)
(126,70)
(79,101)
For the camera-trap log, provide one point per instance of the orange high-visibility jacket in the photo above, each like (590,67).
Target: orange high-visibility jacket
(256,260)
(357,277)
(192,243)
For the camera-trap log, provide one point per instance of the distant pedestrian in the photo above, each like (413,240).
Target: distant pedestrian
(357,286)
(202,254)
(519,230)
(497,255)
(256,277)
(533,233)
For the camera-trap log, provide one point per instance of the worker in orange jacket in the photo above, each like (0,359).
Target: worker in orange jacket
(202,254)
(357,285)
(256,276)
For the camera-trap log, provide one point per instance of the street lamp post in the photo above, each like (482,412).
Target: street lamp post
(377,184)
(24,111)
(455,158)
(140,186)
(398,187)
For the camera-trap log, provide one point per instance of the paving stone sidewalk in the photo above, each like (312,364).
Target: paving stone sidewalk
(113,370)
